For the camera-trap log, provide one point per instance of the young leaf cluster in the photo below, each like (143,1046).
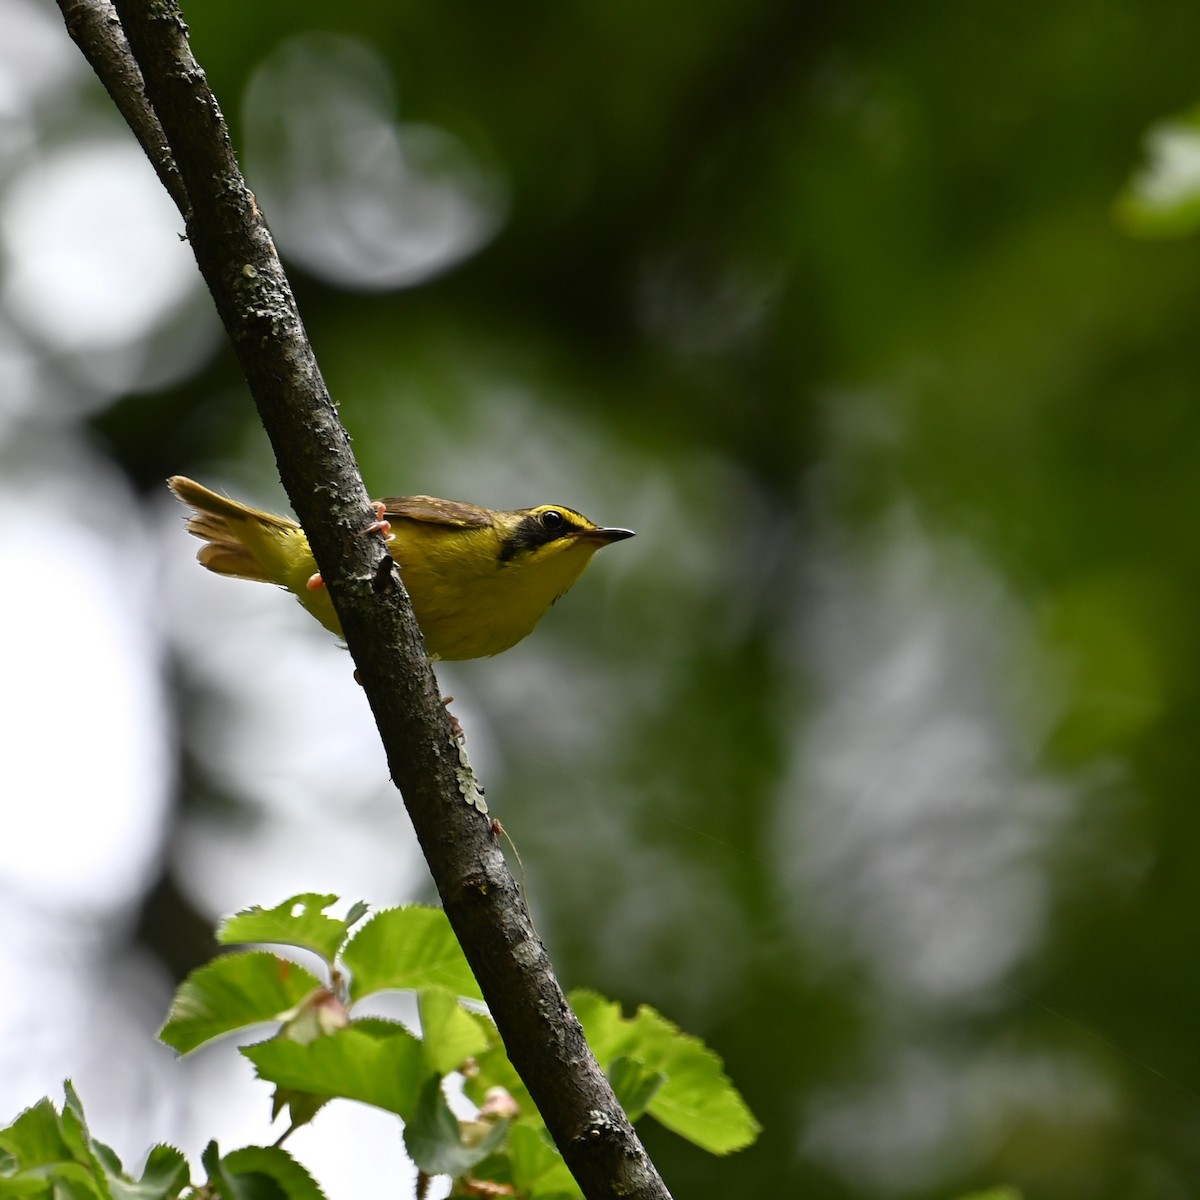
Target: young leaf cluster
(50,1154)
(320,1051)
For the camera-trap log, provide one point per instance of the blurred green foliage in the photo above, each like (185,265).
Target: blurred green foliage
(831,305)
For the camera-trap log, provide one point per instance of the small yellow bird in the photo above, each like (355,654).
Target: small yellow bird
(480,579)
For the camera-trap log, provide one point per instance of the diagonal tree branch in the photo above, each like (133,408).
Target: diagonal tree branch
(237,258)
(96,29)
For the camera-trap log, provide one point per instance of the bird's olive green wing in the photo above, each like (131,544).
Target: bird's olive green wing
(437,512)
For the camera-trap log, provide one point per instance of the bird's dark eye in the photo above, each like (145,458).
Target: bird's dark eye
(552,520)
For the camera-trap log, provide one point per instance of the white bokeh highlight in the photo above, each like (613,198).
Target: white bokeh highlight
(93,248)
(353,195)
(919,847)
(87,744)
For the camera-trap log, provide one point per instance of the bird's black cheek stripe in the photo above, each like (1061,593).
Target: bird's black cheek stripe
(508,550)
(529,535)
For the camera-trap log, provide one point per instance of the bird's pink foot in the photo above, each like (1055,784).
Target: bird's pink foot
(381,524)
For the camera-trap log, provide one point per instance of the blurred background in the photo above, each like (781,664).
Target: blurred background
(872,760)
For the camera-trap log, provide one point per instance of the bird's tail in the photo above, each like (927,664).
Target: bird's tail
(217,520)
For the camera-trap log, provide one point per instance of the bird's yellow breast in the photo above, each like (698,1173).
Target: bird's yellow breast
(469,601)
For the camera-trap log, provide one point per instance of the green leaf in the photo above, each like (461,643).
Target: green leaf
(73,1123)
(634,1083)
(408,948)
(232,992)
(996,1193)
(26,1187)
(300,921)
(376,1062)
(165,1175)
(267,1173)
(449,1034)
(36,1138)
(696,1098)
(47,1156)
(100,1159)
(43,1151)
(210,1160)
(48,1153)
(301,1106)
(74,1182)
(1163,197)
(608,1032)
(434,1139)
(537,1167)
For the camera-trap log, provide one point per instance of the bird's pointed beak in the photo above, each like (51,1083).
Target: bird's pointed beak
(604,535)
